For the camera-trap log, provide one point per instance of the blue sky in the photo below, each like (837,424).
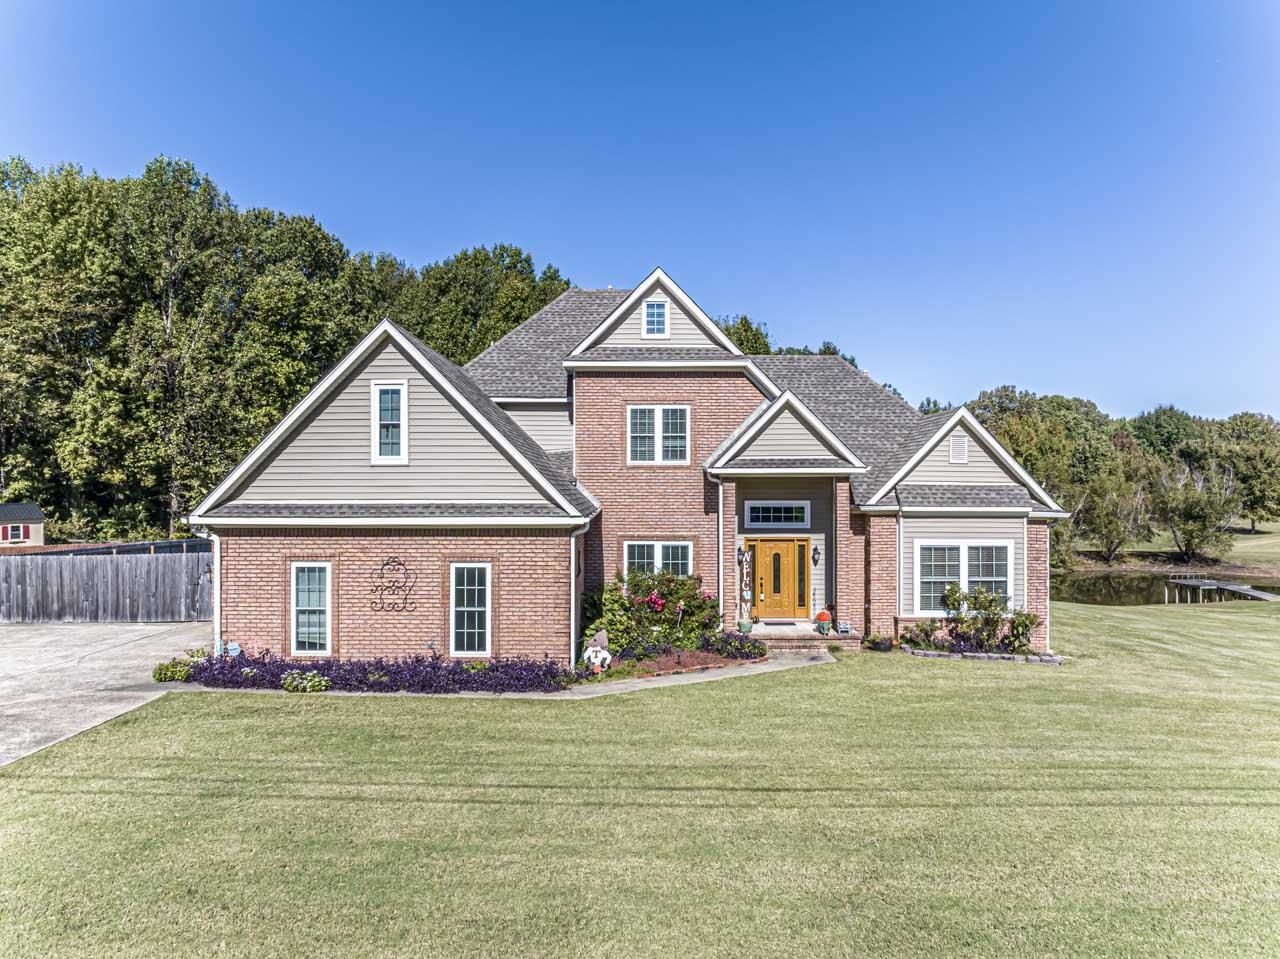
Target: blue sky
(1079,198)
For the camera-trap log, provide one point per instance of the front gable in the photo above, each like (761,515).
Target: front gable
(685,325)
(786,436)
(960,458)
(788,432)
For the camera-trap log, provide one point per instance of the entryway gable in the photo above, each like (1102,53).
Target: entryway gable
(786,436)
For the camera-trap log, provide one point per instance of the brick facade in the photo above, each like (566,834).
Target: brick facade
(1038,582)
(655,502)
(851,561)
(530,589)
(882,574)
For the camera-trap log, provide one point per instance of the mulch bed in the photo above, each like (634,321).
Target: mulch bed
(687,661)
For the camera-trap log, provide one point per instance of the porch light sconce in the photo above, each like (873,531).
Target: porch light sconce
(816,555)
(742,553)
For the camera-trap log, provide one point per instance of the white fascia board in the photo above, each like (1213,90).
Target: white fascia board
(788,400)
(364,522)
(785,471)
(384,329)
(673,288)
(992,445)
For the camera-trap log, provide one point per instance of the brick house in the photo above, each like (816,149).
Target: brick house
(408,505)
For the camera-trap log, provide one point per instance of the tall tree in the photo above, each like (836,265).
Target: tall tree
(750,337)
(1198,507)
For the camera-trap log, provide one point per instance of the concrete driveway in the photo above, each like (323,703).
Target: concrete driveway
(58,679)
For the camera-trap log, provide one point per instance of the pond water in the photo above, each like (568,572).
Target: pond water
(1124,589)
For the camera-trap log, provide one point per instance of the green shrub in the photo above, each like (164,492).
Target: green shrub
(174,671)
(1021,625)
(878,642)
(647,608)
(980,621)
(926,635)
(308,681)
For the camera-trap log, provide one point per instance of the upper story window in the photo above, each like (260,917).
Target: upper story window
(959,448)
(655,318)
(389,423)
(658,435)
(777,514)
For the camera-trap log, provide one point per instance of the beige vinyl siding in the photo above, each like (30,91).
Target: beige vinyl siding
(684,330)
(941,531)
(819,494)
(327,457)
(981,470)
(547,423)
(786,436)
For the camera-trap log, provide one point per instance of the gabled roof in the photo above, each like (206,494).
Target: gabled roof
(950,419)
(759,421)
(527,361)
(452,381)
(21,513)
(948,496)
(691,309)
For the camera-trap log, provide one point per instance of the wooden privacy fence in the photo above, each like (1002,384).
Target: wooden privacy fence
(105,588)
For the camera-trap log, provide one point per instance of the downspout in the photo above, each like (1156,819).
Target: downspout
(575,607)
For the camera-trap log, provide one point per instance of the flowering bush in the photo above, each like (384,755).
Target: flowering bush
(297,681)
(416,674)
(646,612)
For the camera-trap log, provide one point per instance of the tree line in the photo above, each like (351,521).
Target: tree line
(151,332)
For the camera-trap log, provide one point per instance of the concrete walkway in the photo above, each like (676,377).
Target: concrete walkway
(59,679)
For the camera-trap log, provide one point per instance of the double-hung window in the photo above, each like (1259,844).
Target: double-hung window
(470,608)
(389,423)
(658,435)
(15,532)
(650,557)
(968,565)
(655,319)
(310,615)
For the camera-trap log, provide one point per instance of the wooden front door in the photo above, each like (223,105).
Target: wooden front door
(781,578)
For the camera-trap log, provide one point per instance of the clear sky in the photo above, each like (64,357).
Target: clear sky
(1080,198)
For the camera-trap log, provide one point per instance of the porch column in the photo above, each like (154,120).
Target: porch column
(882,566)
(730,572)
(1037,574)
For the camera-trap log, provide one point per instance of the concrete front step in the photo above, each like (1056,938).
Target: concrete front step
(796,644)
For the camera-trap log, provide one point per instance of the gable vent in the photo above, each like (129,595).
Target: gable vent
(959,448)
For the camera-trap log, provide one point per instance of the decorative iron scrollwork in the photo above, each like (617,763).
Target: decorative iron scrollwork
(392,583)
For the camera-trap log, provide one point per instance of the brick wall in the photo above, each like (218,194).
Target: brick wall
(655,502)
(529,589)
(882,573)
(1038,582)
(732,573)
(851,561)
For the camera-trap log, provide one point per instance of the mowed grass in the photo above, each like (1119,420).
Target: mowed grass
(1125,804)
(1260,549)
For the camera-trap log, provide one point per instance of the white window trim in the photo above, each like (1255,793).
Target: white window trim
(922,543)
(958,453)
(657,434)
(666,319)
(657,545)
(746,513)
(488,610)
(375,458)
(293,609)
(15,532)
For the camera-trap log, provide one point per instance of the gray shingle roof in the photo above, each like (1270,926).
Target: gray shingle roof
(21,513)
(527,361)
(506,426)
(697,354)
(383,510)
(793,462)
(865,416)
(936,494)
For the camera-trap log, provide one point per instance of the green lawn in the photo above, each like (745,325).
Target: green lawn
(1125,804)
(1260,549)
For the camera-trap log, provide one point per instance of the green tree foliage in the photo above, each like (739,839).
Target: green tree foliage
(1116,512)
(747,335)
(1251,444)
(1197,506)
(1167,432)
(151,333)
(930,405)
(826,349)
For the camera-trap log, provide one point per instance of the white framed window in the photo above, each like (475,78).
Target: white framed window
(652,556)
(959,447)
(15,531)
(776,513)
(655,320)
(658,435)
(985,563)
(310,609)
(389,422)
(470,608)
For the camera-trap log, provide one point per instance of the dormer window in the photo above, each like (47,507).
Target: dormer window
(655,319)
(959,448)
(389,423)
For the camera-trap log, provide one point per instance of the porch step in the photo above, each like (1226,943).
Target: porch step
(811,643)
